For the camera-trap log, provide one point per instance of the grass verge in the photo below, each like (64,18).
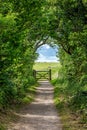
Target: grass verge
(8,115)
(71,120)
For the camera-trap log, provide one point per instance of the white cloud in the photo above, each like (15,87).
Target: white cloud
(43,58)
(47,54)
(53,58)
(46,46)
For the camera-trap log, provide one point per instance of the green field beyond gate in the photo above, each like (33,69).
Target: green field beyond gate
(42,69)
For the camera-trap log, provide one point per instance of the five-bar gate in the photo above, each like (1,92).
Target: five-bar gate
(42,74)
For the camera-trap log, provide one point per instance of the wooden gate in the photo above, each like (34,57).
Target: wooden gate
(38,74)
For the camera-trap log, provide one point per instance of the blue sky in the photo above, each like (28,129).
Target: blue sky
(47,54)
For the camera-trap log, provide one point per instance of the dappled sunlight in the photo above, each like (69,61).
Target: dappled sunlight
(28,115)
(40,114)
(42,101)
(33,122)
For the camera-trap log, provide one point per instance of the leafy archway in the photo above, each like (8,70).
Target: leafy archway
(26,25)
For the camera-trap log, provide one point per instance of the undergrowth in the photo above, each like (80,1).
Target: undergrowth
(7,113)
(71,103)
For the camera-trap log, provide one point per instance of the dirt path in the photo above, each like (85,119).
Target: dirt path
(40,114)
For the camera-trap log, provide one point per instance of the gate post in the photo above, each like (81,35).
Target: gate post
(50,74)
(34,73)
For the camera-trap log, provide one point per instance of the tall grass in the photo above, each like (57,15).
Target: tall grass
(70,102)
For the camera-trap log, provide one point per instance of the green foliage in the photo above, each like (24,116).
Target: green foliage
(24,26)
(7,95)
(72,94)
(25,97)
(71,37)
(16,49)
(70,105)
(2,127)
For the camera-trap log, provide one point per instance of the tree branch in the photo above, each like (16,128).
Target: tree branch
(40,43)
(67,50)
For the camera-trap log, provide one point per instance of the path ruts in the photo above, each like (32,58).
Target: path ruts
(40,114)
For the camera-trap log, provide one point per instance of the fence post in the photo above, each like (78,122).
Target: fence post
(50,74)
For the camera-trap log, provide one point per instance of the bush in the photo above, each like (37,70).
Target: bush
(7,95)
(83,80)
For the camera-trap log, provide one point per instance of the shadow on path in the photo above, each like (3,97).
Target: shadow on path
(40,114)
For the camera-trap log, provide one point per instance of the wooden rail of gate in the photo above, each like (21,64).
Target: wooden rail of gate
(39,74)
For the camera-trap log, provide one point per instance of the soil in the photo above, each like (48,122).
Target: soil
(41,114)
